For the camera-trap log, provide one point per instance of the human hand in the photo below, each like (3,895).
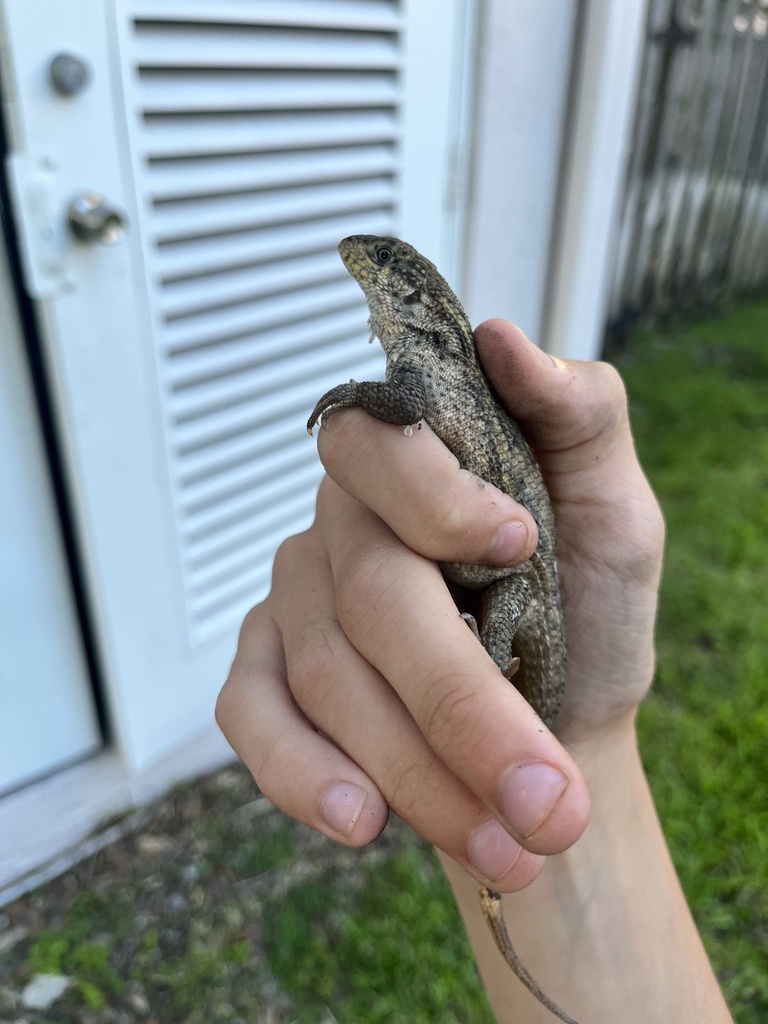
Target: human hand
(356,686)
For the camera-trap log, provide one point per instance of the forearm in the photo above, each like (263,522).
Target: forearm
(605,929)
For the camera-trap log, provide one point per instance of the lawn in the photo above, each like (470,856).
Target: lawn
(215,909)
(699,405)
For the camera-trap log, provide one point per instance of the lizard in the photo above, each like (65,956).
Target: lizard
(433,373)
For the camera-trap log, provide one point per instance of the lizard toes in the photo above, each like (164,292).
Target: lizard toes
(471,621)
(512,666)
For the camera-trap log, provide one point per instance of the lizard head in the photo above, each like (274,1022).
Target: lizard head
(405,291)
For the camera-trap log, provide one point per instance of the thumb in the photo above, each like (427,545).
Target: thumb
(573,413)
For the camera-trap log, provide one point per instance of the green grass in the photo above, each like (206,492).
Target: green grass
(393,951)
(219,910)
(699,405)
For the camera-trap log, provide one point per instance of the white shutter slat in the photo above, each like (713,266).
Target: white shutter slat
(208,556)
(372,14)
(295,395)
(216,215)
(203,91)
(249,385)
(241,354)
(215,605)
(210,491)
(189,45)
(264,134)
(174,179)
(253,579)
(183,299)
(243,320)
(169,135)
(283,428)
(232,453)
(246,550)
(221,577)
(210,524)
(173,261)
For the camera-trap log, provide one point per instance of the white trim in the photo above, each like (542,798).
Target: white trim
(59,814)
(523,71)
(600,131)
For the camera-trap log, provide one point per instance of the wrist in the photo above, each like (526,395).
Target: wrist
(606,752)
(605,928)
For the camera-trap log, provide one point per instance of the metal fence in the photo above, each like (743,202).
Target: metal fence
(694,225)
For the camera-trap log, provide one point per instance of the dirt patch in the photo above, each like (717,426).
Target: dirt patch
(168,925)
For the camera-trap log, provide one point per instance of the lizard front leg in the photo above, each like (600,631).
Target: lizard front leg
(401,398)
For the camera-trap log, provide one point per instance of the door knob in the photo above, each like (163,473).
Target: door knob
(92,218)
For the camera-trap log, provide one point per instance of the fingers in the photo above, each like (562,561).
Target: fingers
(298,769)
(338,725)
(416,486)
(354,706)
(333,744)
(398,613)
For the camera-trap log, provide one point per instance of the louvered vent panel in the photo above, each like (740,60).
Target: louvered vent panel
(265,132)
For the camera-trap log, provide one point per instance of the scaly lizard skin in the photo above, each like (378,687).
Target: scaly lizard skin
(433,373)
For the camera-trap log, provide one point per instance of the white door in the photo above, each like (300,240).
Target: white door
(47,715)
(239,141)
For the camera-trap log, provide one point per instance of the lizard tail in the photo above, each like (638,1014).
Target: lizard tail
(490,903)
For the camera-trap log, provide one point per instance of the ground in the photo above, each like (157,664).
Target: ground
(216,909)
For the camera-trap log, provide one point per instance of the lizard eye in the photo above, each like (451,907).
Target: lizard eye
(384,254)
(412,298)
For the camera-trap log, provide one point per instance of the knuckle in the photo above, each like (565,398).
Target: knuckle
(608,395)
(290,554)
(248,625)
(269,767)
(446,526)
(452,715)
(412,788)
(312,670)
(224,704)
(640,556)
(611,380)
(365,581)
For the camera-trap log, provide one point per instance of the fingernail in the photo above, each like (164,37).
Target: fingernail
(342,805)
(491,850)
(529,793)
(509,544)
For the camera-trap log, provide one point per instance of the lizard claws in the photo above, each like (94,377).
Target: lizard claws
(512,667)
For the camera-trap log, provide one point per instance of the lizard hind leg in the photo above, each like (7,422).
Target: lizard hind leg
(503,605)
(511,666)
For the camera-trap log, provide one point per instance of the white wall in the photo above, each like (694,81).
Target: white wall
(523,75)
